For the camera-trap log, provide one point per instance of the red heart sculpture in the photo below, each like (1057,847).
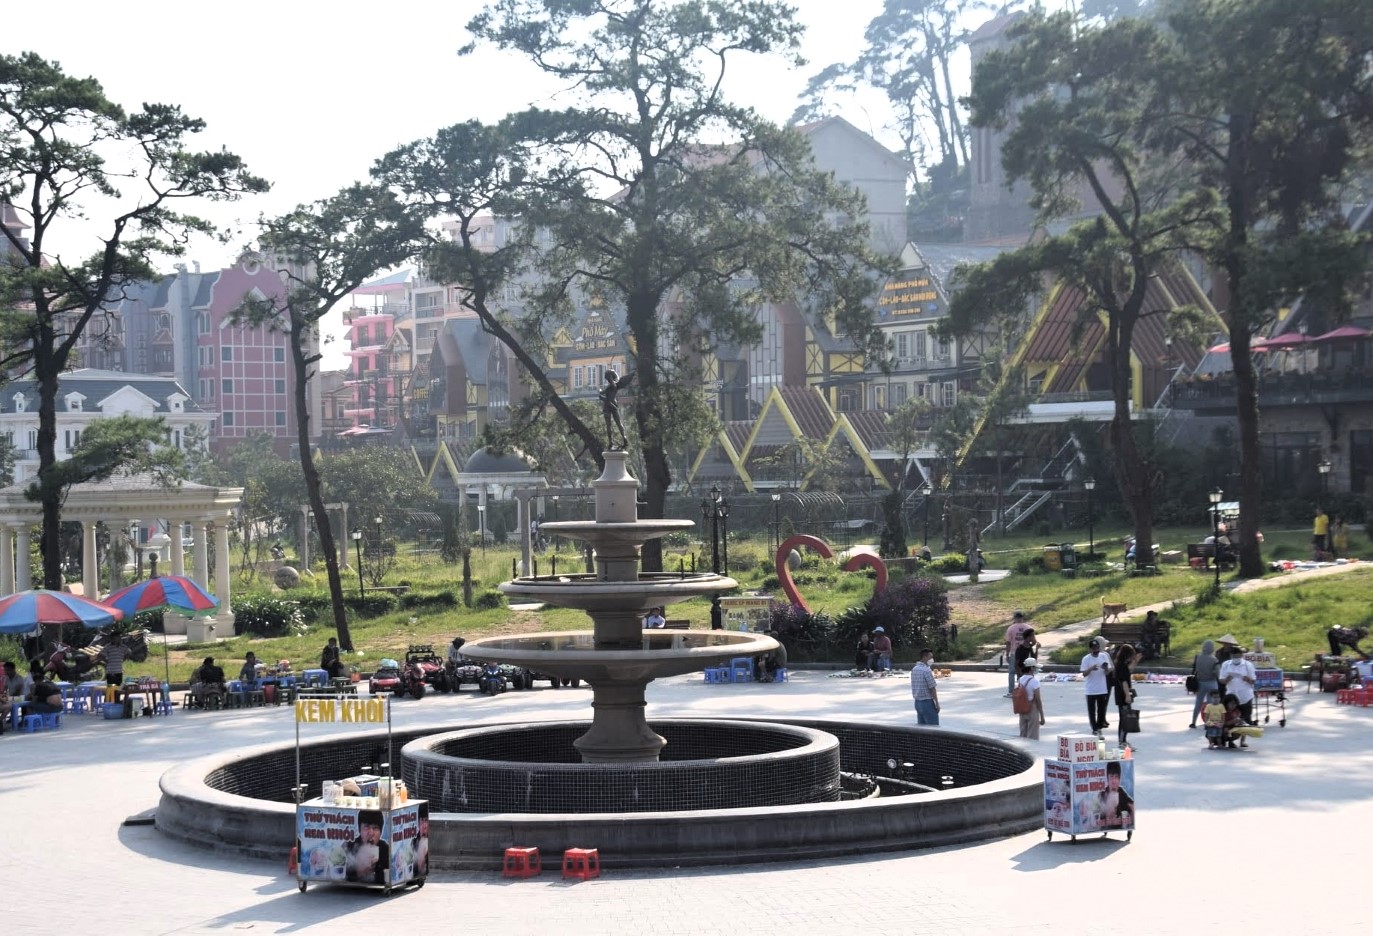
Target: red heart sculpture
(823,548)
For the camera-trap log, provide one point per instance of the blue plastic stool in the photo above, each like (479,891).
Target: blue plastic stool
(31,723)
(51,719)
(741,669)
(780,674)
(717,674)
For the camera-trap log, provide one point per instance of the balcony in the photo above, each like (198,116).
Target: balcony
(1217,396)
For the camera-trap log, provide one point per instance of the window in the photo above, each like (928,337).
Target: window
(33,439)
(281,418)
(920,345)
(942,350)
(279,355)
(228,420)
(903,345)
(176,438)
(71,438)
(879,397)
(202,322)
(227,386)
(898,394)
(950,392)
(226,353)
(576,378)
(280,386)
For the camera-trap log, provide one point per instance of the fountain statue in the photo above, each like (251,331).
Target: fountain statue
(618,658)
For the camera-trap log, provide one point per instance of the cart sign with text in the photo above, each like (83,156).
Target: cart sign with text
(1094,796)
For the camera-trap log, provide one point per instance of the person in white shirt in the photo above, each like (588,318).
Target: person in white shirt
(655,618)
(1237,678)
(1031,721)
(1095,667)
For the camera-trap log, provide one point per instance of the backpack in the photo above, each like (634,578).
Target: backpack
(1020,700)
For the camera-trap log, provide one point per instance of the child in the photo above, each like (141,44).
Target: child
(1214,717)
(1233,719)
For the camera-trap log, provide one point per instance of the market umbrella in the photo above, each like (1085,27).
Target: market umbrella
(164,592)
(1222,348)
(1284,342)
(1346,333)
(24,612)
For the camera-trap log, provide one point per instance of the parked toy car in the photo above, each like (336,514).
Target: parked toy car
(386,678)
(492,679)
(465,671)
(553,681)
(430,667)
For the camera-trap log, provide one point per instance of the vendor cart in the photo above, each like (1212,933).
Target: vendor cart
(1271,689)
(361,846)
(1084,793)
(361,831)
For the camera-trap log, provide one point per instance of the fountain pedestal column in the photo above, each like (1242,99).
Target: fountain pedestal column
(619,733)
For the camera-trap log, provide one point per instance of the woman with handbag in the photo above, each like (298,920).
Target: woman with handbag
(1206,670)
(1124,690)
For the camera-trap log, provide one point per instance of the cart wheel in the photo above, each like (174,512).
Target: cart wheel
(1074,838)
(1282,723)
(386,891)
(419,883)
(1129,835)
(301,885)
(1051,836)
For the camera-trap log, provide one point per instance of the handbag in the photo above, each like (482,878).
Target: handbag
(1192,684)
(1129,720)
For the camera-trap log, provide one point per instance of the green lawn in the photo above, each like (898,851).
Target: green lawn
(1293,620)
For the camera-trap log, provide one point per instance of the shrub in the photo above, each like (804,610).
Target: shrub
(443,600)
(489,601)
(1029,565)
(949,563)
(372,604)
(914,612)
(268,616)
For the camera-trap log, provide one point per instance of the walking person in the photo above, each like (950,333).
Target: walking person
(113,655)
(1094,667)
(1206,668)
(1019,625)
(1033,720)
(924,691)
(1125,688)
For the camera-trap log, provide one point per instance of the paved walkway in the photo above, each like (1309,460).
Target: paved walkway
(1290,819)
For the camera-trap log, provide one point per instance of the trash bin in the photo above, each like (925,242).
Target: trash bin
(1068,556)
(1053,557)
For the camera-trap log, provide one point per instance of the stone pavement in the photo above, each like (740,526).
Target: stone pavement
(1227,841)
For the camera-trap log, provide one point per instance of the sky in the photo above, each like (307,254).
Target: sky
(309,94)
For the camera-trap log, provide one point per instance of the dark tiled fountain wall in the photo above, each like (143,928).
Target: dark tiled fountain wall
(270,776)
(706,765)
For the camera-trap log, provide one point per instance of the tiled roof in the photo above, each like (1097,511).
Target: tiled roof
(205,290)
(123,481)
(737,432)
(871,427)
(96,385)
(808,408)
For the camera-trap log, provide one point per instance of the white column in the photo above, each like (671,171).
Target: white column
(90,575)
(526,542)
(200,551)
(6,560)
(178,556)
(23,568)
(222,570)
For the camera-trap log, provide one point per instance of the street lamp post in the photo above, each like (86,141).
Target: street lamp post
(776,522)
(1215,496)
(928,491)
(481,524)
(1089,486)
(711,514)
(555,520)
(357,552)
(1324,469)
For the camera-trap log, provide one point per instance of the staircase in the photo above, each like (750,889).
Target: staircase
(1037,491)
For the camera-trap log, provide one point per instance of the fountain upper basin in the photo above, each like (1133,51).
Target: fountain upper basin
(585,592)
(574,654)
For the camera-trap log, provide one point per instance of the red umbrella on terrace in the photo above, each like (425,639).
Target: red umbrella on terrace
(1284,342)
(1345,333)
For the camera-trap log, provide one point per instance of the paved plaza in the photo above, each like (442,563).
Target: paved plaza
(1227,841)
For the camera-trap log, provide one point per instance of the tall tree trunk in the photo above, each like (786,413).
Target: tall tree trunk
(657,470)
(955,122)
(313,489)
(1134,474)
(46,371)
(1238,208)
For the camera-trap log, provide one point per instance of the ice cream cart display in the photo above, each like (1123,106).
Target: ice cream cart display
(1086,790)
(362,831)
(361,845)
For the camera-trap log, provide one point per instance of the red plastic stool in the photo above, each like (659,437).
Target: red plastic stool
(522,862)
(581,863)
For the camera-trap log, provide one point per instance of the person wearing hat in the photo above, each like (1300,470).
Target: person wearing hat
(1095,668)
(655,618)
(1237,678)
(1019,625)
(1031,721)
(881,647)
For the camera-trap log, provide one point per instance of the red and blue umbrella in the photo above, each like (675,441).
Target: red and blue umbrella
(174,592)
(24,612)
